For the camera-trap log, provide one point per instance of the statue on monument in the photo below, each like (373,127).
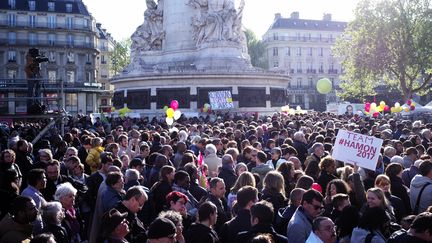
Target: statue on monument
(149,35)
(218,21)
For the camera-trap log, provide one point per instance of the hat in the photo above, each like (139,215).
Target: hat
(112,219)
(317,187)
(161,227)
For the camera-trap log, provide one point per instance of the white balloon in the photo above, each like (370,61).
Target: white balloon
(169,120)
(177,114)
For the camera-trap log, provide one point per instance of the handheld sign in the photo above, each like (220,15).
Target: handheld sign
(356,148)
(221,100)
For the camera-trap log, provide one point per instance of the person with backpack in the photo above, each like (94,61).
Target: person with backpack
(421,188)
(372,226)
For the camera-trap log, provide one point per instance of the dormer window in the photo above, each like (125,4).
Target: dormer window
(51,6)
(69,7)
(12,4)
(32,5)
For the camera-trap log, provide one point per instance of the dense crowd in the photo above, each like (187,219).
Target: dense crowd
(231,179)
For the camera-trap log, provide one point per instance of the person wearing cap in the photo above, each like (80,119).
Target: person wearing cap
(115,227)
(161,230)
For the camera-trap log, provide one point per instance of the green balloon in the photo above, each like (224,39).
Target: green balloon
(324,86)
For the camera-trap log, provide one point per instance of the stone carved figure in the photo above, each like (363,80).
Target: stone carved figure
(150,34)
(218,21)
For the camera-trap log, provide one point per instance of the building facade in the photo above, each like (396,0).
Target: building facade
(105,45)
(63,31)
(304,49)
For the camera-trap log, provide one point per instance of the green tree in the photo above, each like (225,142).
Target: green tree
(256,50)
(389,42)
(120,57)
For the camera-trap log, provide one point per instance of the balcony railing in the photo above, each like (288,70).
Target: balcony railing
(18,84)
(311,71)
(47,43)
(332,71)
(43,25)
(300,39)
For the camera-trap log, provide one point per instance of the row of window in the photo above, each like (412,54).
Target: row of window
(52,75)
(70,57)
(310,84)
(309,51)
(310,66)
(32,39)
(51,22)
(32,6)
(305,37)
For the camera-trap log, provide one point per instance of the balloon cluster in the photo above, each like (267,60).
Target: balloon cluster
(122,112)
(206,108)
(172,112)
(411,104)
(287,110)
(397,108)
(375,110)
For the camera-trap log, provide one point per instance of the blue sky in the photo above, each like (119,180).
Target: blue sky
(121,18)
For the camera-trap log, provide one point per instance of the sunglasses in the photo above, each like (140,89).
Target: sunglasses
(318,207)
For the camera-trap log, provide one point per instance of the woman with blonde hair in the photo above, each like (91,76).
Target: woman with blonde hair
(274,190)
(375,198)
(383,182)
(245,179)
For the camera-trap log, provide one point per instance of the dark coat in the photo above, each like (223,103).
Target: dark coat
(51,187)
(137,231)
(197,191)
(223,213)
(399,190)
(229,177)
(398,206)
(159,192)
(199,233)
(247,236)
(59,232)
(242,222)
(93,183)
(275,198)
(324,179)
(302,150)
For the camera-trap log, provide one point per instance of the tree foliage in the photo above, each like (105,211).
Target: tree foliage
(120,57)
(389,42)
(256,49)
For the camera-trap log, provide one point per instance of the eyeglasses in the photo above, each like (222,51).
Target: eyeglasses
(173,236)
(318,207)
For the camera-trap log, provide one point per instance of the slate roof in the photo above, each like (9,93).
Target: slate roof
(307,24)
(78,7)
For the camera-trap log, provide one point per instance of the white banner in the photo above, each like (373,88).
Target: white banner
(356,148)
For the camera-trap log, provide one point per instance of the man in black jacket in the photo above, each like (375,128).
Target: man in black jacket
(246,197)
(217,197)
(261,221)
(202,230)
(227,172)
(132,203)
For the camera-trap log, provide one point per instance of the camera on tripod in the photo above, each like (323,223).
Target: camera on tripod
(37,58)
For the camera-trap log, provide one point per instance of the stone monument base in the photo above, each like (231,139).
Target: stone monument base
(148,93)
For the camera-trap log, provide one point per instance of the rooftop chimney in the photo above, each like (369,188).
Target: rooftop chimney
(278,16)
(295,15)
(98,25)
(327,17)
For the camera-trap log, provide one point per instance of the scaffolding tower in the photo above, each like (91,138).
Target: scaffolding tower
(51,96)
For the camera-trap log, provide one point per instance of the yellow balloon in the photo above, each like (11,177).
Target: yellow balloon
(324,86)
(170,112)
(393,110)
(413,104)
(400,109)
(380,109)
(407,109)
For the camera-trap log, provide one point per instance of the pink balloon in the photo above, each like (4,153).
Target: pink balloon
(412,107)
(376,114)
(174,104)
(409,102)
(386,108)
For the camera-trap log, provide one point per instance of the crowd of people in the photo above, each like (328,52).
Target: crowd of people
(243,179)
